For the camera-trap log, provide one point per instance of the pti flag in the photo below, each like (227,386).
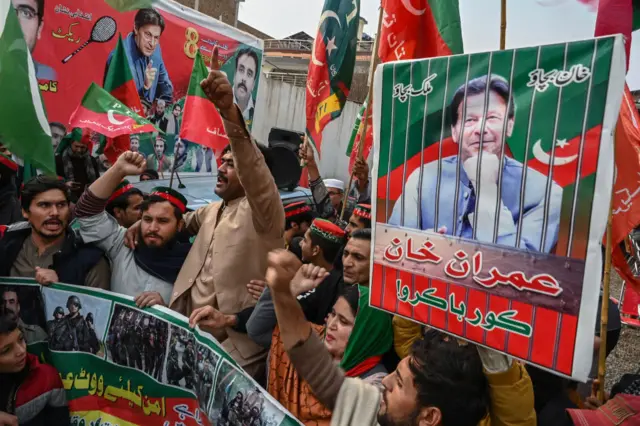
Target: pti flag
(408,32)
(102,113)
(201,121)
(119,82)
(357,136)
(24,128)
(622,16)
(333,58)
(498,172)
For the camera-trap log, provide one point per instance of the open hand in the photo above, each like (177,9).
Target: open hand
(218,88)
(131,237)
(149,298)
(131,163)
(255,288)
(46,276)
(209,317)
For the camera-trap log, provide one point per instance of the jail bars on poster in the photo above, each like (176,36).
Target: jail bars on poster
(494,175)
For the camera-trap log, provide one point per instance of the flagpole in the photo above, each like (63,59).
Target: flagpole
(363,133)
(503,24)
(604,309)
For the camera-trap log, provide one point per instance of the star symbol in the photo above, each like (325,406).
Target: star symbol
(331,46)
(562,143)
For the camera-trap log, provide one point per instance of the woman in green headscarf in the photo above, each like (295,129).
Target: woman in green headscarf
(356,335)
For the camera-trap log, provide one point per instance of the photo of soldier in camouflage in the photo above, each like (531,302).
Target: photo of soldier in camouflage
(138,340)
(206,368)
(73,331)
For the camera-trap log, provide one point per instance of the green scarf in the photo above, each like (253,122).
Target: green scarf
(372,333)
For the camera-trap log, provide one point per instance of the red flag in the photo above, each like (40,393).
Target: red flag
(616,16)
(201,121)
(368,140)
(120,84)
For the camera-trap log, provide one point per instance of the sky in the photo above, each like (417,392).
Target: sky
(529,22)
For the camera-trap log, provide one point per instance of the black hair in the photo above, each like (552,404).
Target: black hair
(37,186)
(40,11)
(365,221)
(176,105)
(8,289)
(151,173)
(298,219)
(329,248)
(164,150)
(265,150)
(495,83)
(122,200)
(8,322)
(154,199)
(252,54)
(58,125)
(148,17)
(352,295)
(449,376)
(361,234)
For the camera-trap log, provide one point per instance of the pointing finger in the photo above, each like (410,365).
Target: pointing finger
(215,64)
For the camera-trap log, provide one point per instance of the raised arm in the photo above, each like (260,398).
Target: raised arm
(253,172)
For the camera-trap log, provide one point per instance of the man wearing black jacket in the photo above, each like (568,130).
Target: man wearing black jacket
(45,247)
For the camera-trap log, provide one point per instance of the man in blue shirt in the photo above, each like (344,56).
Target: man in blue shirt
(482,124)
(145,57)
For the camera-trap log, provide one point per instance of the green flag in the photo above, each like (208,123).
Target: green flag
(356,127)
(126,5)
(106,115)
(24,128)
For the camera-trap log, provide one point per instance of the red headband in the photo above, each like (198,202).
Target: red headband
(173,200)
(119,192)
(298,211)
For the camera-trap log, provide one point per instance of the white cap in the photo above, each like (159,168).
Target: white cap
(334,183)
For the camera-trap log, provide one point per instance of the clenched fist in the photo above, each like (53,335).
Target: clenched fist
(131,163)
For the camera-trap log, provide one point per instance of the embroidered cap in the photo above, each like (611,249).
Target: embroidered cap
(122,188)
(172,196)
(295,209)
(328,231)
(621,410)
(363,211)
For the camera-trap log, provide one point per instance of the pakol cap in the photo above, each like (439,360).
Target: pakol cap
(328,231)
(172,196)
(363,211)
(122,188)
(294,209)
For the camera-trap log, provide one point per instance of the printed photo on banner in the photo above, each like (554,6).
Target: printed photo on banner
(492,192)
(138,340)
(75,321)
(238,400)
(207,363)
(25,304)
(181,359)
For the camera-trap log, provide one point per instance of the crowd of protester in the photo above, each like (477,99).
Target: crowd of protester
(284,288)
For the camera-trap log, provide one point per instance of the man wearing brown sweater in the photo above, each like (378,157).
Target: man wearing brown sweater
(440,383)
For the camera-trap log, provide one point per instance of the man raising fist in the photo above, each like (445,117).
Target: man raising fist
(149,271)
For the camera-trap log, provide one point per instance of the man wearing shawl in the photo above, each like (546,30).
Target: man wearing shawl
(149,271)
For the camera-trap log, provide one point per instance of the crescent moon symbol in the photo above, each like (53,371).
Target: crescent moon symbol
(407,4)
(112,119)
(545,158)
(327,14)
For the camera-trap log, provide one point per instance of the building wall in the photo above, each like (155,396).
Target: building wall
(224,10)
(283,105)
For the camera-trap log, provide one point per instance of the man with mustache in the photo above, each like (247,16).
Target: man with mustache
(480,123)
(145,57)
(149,271)
(233,236)
(159,160)
(244,81)
(46,248)
(76,165)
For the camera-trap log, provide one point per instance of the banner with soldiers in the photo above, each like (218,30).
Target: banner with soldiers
(124,365)
(494,179)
